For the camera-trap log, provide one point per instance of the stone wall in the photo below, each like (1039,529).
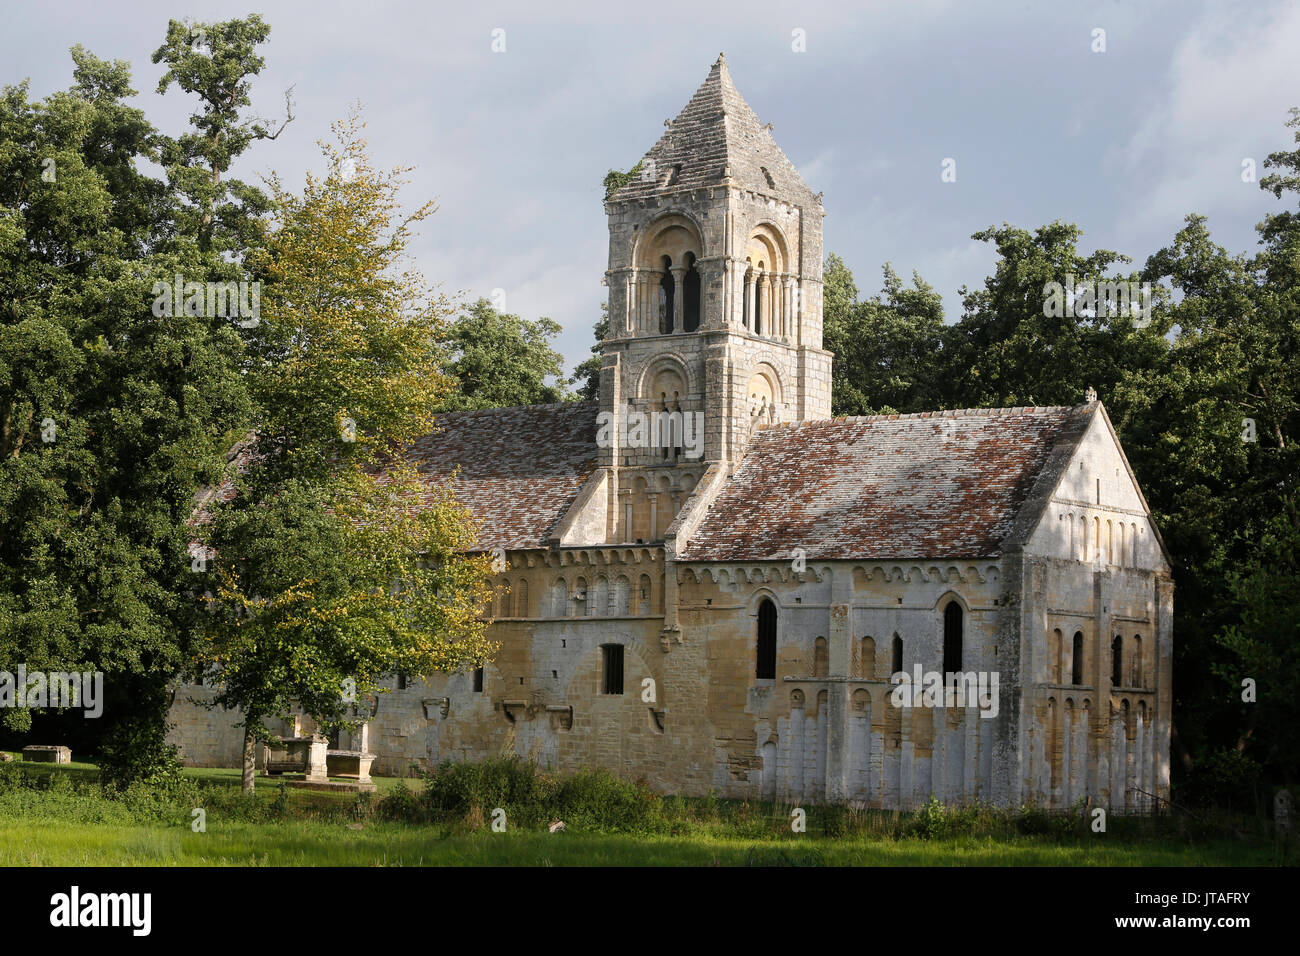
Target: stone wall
(693,717)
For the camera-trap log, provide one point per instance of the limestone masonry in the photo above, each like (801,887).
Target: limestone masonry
(727,615)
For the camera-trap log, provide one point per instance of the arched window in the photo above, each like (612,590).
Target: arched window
(896,655)
(1137,661)
(521,599)
(765,668)
(1076,659)
(691,296)
(666,292)
(952,638)
(1117,661)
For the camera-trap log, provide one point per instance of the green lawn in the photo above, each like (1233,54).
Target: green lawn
(233,777)
(300,843)
(64,820)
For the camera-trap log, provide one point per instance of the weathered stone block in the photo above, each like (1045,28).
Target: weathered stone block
(40,753)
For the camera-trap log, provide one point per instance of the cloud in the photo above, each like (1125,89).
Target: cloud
(1224,98)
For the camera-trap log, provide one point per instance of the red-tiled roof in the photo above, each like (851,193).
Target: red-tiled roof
(933,485)
(520,468)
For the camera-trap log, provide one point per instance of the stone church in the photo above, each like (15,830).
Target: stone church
(709,583)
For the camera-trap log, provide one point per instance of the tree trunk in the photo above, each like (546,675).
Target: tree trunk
(250,754)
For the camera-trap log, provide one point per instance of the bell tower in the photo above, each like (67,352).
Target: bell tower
(715,306)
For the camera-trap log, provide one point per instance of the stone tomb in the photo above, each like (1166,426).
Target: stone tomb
(40,753)
(304,755)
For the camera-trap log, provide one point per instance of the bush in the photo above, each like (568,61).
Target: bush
(454,790)
(135,749)
(590,800)
(931,823)
(597,800)
(401,805)
(1226,779)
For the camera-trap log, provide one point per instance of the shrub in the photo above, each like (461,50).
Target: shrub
(1226,779)
(453,790)
(931,823)
(598,800)
(591,800)
(135,749)
(401,805)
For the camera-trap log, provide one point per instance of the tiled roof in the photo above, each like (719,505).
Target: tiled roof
(520,468)
(933,485)
(717,132)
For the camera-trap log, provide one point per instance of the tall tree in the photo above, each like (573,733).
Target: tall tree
(886,348)
(110,414)
(1018,345)
(500,360)
(332,563)
(216,62)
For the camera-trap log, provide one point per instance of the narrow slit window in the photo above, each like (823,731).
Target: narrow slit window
(952,638)
(765,667)
(611,668)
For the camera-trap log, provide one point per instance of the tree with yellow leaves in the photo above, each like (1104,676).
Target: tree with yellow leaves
(333,563)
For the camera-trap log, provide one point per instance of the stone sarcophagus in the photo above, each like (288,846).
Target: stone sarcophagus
(40,753)
(304,755)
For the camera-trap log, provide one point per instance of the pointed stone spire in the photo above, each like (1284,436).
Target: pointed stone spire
(717,138)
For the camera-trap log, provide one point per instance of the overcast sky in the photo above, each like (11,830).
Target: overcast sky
(513,145)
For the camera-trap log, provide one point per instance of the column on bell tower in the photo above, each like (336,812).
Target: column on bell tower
(747,307)
(678,271)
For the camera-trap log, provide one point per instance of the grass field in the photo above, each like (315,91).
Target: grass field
(391,844)
(60,818)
